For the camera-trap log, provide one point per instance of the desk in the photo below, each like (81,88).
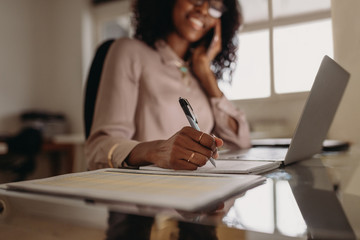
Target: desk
(315,199)
(56,152)
(62,153)
(63,147)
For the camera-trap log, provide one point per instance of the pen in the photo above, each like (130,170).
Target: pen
(189,113)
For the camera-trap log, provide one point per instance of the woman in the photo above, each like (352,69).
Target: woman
(180,49)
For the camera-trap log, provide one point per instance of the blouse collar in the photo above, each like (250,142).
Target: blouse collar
(167,54)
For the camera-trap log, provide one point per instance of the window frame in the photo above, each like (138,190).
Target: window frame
(278,114)
(270,24)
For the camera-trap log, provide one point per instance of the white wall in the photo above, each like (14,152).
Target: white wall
(346,29)
(41,59)
(17,29)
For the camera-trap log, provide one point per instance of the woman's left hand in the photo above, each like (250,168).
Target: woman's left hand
(215,45)
(202,55)
(201,61)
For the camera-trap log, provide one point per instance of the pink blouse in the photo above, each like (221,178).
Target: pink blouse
(138,101)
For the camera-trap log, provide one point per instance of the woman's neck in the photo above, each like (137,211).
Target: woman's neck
(179,45)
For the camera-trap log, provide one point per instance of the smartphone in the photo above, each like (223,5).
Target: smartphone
(206,40)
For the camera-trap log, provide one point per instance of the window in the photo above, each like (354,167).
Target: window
(111,20)
(281,46)
(116,28)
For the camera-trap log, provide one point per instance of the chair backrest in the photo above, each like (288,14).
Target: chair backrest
(92,84)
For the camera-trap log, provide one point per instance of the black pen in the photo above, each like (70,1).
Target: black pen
(189,113)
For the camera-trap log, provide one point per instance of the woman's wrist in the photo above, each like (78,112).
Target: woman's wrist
(209,84)
(142,154)
(207,78)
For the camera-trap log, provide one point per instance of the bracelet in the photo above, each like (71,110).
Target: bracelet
(110,154)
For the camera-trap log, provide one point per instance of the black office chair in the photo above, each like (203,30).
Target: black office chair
(92,84)
(23,147)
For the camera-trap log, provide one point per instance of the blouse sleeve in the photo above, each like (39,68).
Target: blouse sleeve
(223,109)
(113,126)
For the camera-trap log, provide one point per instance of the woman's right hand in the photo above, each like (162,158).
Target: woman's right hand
(187,149)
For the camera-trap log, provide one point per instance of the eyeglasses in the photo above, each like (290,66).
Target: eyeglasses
(216,7)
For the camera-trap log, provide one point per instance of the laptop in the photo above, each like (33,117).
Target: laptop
(313,126)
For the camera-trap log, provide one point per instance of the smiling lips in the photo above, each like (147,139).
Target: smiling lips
(196,23)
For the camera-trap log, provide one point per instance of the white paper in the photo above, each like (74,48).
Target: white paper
(179,191)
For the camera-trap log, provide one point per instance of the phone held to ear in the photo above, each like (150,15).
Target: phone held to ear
(206,40)
(209,37)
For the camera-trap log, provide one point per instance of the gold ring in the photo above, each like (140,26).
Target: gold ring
(192,155)
(200,137)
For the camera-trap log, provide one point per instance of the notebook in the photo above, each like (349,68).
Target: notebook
(224,167)
(313,126)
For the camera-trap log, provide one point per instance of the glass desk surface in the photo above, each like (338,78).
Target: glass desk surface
(315,199)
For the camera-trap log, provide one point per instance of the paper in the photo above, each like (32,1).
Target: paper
(227,167)
(183,192)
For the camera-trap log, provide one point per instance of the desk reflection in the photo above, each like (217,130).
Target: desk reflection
(298,201)
(126,226)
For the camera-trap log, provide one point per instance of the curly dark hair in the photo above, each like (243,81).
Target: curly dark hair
(152,20)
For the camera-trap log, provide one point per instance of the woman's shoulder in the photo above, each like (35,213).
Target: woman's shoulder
(131,44)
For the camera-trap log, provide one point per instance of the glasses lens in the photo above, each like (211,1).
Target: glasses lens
(216,7)
(215,13)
